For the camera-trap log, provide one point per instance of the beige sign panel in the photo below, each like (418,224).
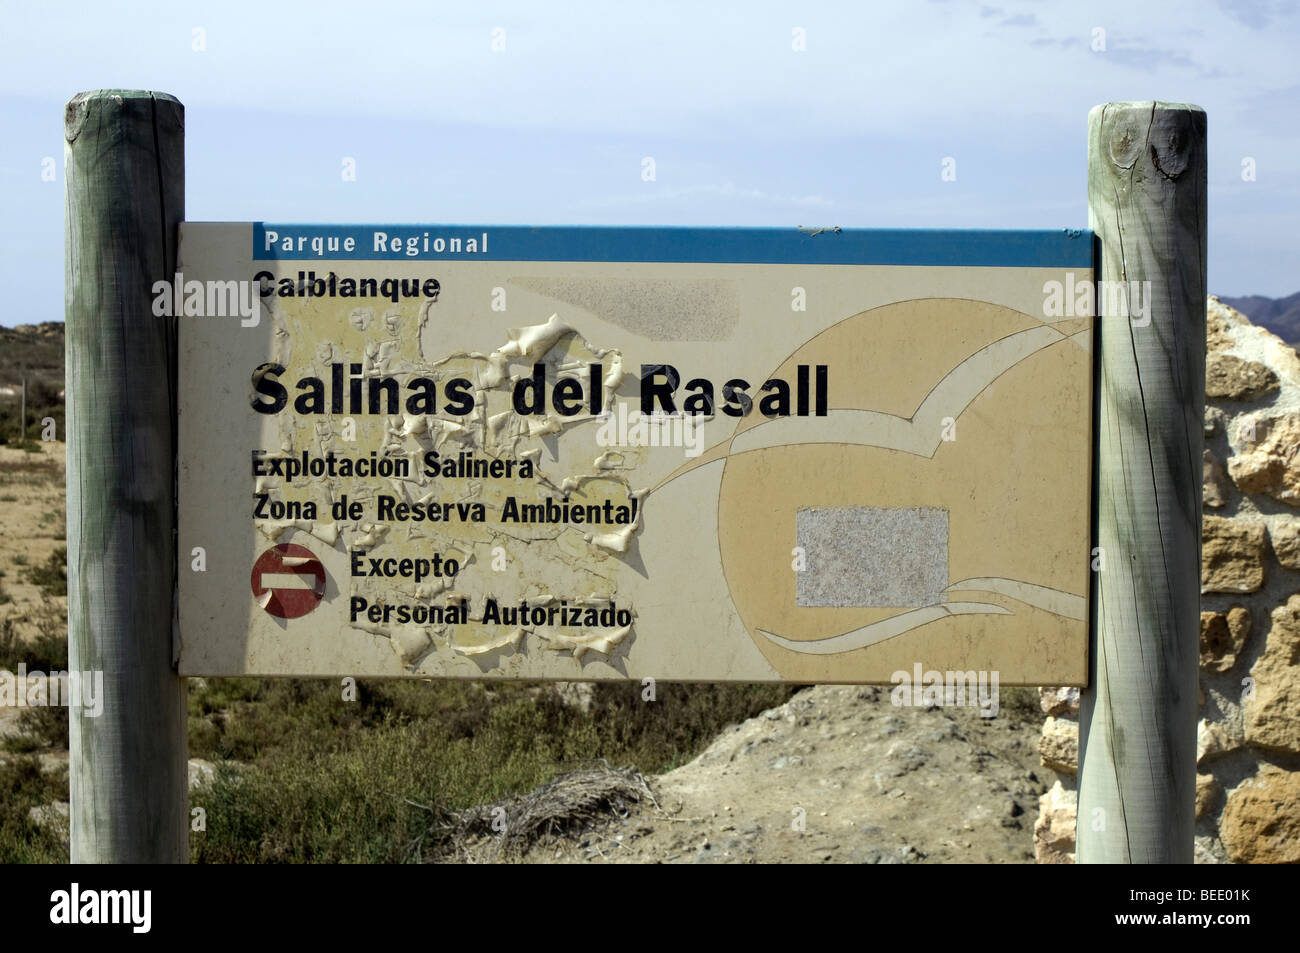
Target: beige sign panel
(704,455)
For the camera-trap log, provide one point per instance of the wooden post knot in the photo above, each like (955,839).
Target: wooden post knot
(1126,145)
(74,116)
(1171,159)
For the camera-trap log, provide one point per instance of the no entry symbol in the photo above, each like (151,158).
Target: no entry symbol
(288,581)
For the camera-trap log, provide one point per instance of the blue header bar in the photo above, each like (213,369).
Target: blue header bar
(1060,248)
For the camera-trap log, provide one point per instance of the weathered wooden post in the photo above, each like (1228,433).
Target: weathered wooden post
(125,168)
(1137,725)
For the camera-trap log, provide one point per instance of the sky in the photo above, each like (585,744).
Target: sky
(757,113)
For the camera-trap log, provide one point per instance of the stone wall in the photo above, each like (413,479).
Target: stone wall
(1248,735)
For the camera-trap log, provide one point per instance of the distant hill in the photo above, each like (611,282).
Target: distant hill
(1279,315)
(34,349)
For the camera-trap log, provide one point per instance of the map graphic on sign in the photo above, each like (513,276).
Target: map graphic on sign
(599,453)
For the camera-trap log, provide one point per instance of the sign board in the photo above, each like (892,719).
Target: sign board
(802,455)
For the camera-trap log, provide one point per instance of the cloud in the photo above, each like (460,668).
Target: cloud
(1257,14)
(1258,110)
(1020,19)
(1149,58)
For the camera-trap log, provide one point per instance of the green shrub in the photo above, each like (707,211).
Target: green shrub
(23,786)
(47,652)
(52,578)
(39,728)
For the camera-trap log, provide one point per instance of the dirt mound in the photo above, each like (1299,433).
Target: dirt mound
(838,775)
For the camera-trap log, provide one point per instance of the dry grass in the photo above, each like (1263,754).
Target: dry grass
(569,804)
(33,465)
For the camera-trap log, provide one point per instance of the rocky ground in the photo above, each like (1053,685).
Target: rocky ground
(32,514)
(838,775)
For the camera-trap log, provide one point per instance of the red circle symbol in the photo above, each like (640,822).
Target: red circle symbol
(288,581)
